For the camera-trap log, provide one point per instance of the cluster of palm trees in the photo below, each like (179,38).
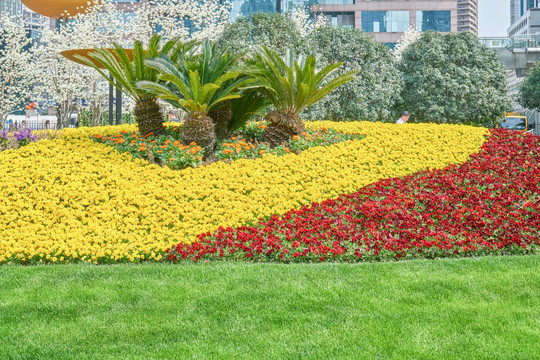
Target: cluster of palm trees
(218,90)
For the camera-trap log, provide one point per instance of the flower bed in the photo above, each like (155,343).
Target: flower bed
(489,205)
(169,150)
(73,199)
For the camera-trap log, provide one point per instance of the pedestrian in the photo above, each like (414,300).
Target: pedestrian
(47,124)
(404,117)
(172,117)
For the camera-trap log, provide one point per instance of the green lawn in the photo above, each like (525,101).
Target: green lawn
(483,308)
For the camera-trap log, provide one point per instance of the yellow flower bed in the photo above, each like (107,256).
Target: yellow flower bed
(74,199)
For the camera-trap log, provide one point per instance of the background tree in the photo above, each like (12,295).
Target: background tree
(452,78)
(529,89)
(375,91)
(276,31)
(64,83)
(409,37)
(17,76)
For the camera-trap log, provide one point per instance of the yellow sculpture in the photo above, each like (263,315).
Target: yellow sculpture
(58,8)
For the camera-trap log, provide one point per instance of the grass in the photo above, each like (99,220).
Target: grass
(481,308)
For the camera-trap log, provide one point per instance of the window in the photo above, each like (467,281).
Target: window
(433,20)
(385,21)
(345,19)
(249,7)
(331,2)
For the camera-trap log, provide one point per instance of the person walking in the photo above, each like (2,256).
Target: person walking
(404,117)
(172,117)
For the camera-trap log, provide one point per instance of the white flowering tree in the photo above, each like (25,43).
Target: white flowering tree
(65,83)
(409,37)
(17,76)
(305,22)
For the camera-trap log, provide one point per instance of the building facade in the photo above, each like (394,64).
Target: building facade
(11,7)
(388,19)
(524,17)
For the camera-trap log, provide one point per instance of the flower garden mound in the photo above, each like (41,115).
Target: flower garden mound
(489,205)
(72,199)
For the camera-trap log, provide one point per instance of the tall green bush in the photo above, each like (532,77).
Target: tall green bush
(275,31)
(452,78)
(375,91)
(529,89)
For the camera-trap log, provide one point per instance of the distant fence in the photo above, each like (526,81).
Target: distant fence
(15,122)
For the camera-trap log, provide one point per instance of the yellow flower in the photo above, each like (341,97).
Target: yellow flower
(73,199)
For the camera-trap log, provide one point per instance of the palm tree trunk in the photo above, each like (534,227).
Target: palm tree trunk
(200,130)
(149,117)
(221,118)
(281,128)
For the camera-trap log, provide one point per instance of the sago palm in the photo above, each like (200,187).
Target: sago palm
(127,72)
(292,85)
(198,81)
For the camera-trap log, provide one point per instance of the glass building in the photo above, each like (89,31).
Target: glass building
(11,7)
(433,20)
(388,19)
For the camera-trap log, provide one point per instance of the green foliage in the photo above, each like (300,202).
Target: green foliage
(452,78)
(251,103)
(276,31)
(529,90)
(293,84)
(376,89)
(126,71)
(167,149)
(198,80)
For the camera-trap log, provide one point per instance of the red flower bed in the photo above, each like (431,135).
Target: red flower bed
(489,205)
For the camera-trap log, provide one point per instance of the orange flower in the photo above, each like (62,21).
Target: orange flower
(171,159)
(177,142)
(199,158)
(233,138)
(134,136)
(295,137)
(193,143)
(163,146)
(142,149)
(167,142)
(287,150)
(262,152)
(159,151)
(263,126)
(124,132)
(193,150)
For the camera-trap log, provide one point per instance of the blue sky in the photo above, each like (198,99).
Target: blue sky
(493,17)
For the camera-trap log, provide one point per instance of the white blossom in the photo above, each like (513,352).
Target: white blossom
(17,75)
(65,83)
(409,37)
(304,22)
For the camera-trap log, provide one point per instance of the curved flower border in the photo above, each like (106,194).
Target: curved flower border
(488,205)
